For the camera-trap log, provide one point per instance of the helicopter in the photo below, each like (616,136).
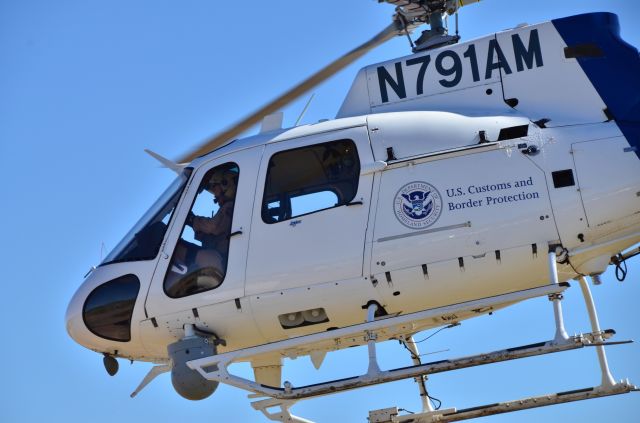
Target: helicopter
(431,232)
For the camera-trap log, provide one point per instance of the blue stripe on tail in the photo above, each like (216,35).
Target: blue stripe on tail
(616,74)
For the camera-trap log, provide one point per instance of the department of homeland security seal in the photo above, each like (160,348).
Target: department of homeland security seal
(417,205)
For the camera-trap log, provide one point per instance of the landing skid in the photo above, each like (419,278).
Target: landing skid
(442,366)
(290,395)
(390,415)
(215,368)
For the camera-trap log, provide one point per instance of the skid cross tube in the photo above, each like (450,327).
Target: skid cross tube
(411,345)
(561,334)
(607,379)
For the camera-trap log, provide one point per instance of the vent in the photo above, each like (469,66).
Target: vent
(583,50)
(563,178)
(512,132)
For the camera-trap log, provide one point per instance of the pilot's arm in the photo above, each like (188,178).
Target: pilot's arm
(216,225)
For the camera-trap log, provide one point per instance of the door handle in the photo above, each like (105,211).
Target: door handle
(232,234)
(354,203)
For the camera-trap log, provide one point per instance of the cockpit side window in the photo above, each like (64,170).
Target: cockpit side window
(144,239)
(309,179)
(199,261)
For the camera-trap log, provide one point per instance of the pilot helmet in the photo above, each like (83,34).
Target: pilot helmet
(227,180)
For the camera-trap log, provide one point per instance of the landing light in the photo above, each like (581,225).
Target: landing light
(303,318)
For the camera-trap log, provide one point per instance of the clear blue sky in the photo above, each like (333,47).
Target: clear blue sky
(86,86)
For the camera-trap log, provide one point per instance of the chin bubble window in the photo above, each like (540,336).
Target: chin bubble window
(199,261)
(109,308)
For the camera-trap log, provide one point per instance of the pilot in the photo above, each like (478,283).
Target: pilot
(199,268)
(213,232)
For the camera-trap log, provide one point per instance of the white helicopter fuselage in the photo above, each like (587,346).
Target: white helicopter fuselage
(474,161)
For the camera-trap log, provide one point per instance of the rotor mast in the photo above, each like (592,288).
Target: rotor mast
(414,13)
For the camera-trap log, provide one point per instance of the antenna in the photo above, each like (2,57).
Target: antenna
(306,106)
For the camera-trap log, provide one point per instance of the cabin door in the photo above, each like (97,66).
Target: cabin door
(203,260)
(311,212)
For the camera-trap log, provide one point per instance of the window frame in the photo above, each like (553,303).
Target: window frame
(129,237)
(230,164)
(326,187)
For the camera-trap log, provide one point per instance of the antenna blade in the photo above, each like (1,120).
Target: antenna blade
(317,357)
(314,80)
(177,168)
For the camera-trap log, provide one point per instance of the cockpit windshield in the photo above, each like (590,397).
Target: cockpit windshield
(144,239)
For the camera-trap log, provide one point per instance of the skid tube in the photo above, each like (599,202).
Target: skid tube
(289,396)
(214,368)
(390,415)
(532,350)
(369,379)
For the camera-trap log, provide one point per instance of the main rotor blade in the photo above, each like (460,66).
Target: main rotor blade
(295,92)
